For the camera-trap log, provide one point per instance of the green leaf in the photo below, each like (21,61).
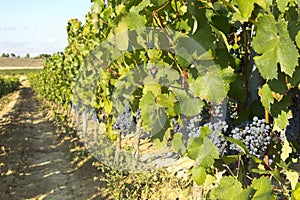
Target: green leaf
(165,101)
(246,193)
(298,39)
(229,188)
(121,38)
(263,189)
(208,152)
(189,106)
(142,5)
(209,86)
(295,79)
(245,7)
(97,6)
(178,144)
(282,120)
(278,85)
(239,143)
(199,175)
(282,5)
(272,40)
(152,115)
(194,148)
(228,77)
(221,23)
(158,3)
(266,96)
(296,192)
(134,21)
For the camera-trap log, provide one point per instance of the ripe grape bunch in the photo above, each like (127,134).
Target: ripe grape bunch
(293,129)
(217,125)
(123,122)
(254,134)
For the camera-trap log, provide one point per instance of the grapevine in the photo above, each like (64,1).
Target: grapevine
(137,66)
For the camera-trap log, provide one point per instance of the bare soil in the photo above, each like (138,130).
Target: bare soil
(34,162)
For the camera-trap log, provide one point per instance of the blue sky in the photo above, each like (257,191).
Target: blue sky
(37,26)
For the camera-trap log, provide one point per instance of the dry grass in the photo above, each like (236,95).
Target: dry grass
(20,62)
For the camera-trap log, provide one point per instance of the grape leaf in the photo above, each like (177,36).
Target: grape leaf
(209,86)
(178,144)
(194,148)
(121,38)
(263,189)
(273,42)
(295,79)
(282,5)
(282,120)
(134,21)
(229,188)
(153,116)
(266,97)
(97,6)
(188,106)
(142,5)
(199,175)
(286,150)
(239,143)
(296,192)
(298,39)
(158,2)
(207,153)
(228,77)
(292,176)
(245,7)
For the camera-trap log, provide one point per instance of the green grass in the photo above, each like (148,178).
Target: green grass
(19,71)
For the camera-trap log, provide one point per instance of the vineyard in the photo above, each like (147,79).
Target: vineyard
(206,89)
(8,85)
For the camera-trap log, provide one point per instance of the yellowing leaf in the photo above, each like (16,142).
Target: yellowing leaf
(286,150)
(281,121)
(266,96)
(292,176)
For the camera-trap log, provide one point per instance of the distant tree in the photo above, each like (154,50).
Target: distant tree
(18,56)
(3,55)
(7,55)
(12,55)
(27,55)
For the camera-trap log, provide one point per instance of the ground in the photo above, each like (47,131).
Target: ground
(34,162)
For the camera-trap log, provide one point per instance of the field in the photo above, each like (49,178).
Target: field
(20,62)
(15,66)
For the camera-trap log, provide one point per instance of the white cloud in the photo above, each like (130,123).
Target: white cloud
(7,28)
(50,40)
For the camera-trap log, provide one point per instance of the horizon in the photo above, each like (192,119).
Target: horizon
(42,29)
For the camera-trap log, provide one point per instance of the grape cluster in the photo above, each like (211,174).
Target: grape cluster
(123,122)
(176,126)
(293,129)
(217,125)
(254,134)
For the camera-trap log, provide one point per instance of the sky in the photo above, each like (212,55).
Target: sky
(37,26)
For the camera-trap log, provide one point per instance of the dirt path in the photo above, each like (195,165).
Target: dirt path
(34,164)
